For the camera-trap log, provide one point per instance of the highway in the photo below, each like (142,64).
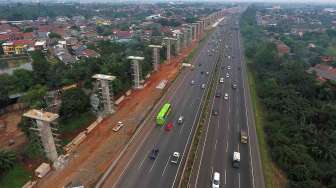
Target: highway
(185,99)
(222,132)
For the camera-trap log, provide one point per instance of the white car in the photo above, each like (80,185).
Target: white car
(180,120)
(229,67)
(203,86)
(226,96)
(221,80)
(175,158)
(192,82)
(227,75)
(216,180)
(118,126)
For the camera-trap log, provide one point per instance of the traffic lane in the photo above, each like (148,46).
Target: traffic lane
(177,138)
(157,134)
(168,178)
(206,166)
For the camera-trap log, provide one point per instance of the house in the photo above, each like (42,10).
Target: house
(323,71)
(282,48)
(63,55)
(327,59)
(122,34)
(87,53)
(17,47)
(40,45)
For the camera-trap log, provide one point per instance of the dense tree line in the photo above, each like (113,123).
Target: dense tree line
(300,121)
(49,76)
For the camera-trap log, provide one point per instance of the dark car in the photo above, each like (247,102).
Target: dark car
(154,153)
(215,113)
(218,95)
(234,85)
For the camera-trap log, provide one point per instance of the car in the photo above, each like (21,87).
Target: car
(214,112)
(236,159)
(200,64)
(226,96)
(203,86)
(229,57)
(234,85)
(169,126)
(227,75)
(218,95)
(192,82)
(154,153)
(221,80)
(207,73)
(119,125)
(175,158)
(180,120)
(216,180)
(229,67)
(202,72)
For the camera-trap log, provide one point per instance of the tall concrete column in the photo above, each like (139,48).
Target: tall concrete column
(194,33)
(136,70)
(167,42)
(177,34)
(43,122)
(106,94)
(156,56)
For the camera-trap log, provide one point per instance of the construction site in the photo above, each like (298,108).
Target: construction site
(88,155)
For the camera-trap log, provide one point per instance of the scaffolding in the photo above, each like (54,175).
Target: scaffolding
(136,70)
(43,122)
(104,96)
(156,56)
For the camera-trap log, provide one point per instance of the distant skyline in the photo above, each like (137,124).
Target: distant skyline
(153,1)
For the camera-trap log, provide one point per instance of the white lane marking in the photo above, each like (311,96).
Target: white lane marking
(247,124)
(165,166)
(185,147)
(238,180)
(225,177)
(154,162)
(238,147)
(142,162)
(227,146)
(216,145)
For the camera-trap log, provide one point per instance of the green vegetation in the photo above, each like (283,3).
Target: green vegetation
(15,177)
(76,123)
(74,102)
(299,113)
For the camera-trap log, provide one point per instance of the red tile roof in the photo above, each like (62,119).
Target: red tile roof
(23,42)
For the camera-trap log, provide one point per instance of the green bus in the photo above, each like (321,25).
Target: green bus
(162,116)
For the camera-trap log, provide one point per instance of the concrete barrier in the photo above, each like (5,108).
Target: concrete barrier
(29,184)
(93,125)
(128,93)
(119,100)
(79,138)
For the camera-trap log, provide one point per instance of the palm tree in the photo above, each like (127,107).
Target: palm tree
(7,160)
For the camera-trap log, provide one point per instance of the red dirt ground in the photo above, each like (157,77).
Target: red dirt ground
(103,145)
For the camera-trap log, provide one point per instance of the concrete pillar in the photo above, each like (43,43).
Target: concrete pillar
(156,56)
(104,86)
(136,70)
(43,127)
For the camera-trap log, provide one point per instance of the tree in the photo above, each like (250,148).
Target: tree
(34,97)
(23,79)
(74,102)
(40,67)
(7,160)
(54,35)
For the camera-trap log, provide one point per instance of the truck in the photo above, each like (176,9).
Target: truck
(236,159)
(243,137)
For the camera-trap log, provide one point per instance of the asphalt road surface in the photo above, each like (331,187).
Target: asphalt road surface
(222,132)
(186,100)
